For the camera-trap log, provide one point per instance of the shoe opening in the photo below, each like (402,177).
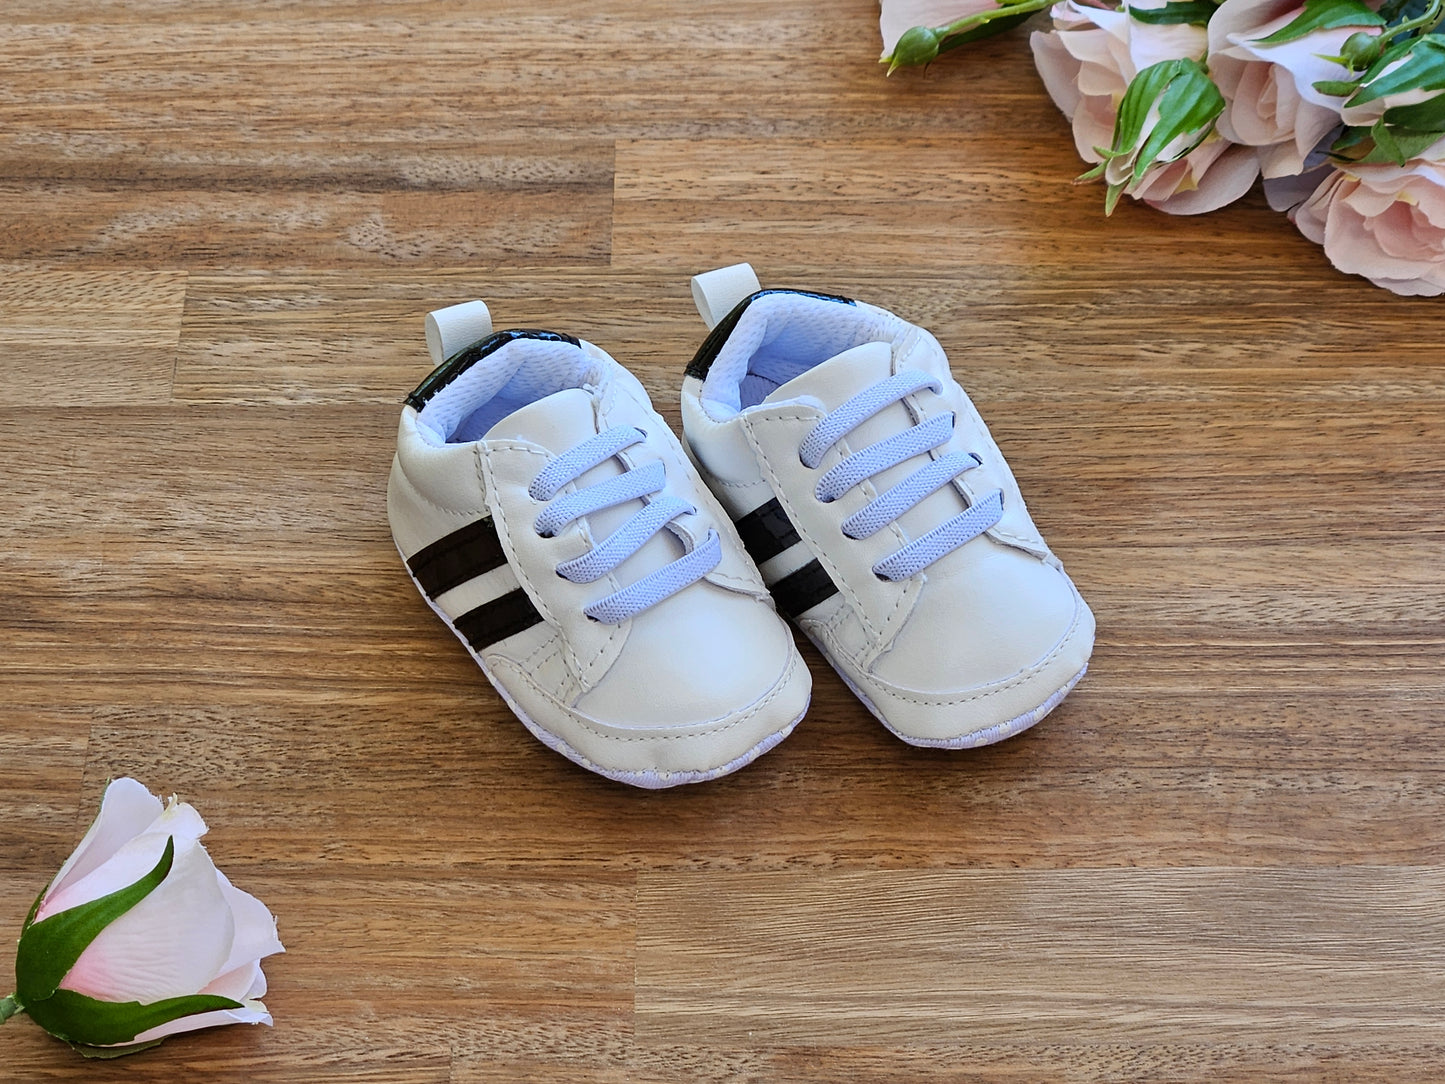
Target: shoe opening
(780,335)
(520,370)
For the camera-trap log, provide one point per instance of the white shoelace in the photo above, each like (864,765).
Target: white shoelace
(876,458)
(638,483)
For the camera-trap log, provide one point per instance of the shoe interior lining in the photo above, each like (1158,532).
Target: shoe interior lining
(518,374)
(782,335)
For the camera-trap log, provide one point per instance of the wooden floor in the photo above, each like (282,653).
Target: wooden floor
(1220,860)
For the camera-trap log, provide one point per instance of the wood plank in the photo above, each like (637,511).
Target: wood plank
(480,792)
(979,958)
(88,338)
(42,757)
(855,204)
(1218,861)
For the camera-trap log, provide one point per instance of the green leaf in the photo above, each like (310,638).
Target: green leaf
(48,949)
(89,1022)
(1423,116)
(1423,69)
(1398,145)
(1197,12)
(1337,88)
(1189,105)
(1323,15)
(1385,143)
(1143,90)
(1393,11)
(1349,139)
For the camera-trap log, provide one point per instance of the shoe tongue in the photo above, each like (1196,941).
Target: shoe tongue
(558,422)
(840,377)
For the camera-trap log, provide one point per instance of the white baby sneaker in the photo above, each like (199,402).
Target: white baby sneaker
(880,511)
(552,520)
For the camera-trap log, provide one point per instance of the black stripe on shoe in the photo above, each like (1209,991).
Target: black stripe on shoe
(766,531)
(463,555)
(496,620)
(798,592)
(713,344)
(464,359)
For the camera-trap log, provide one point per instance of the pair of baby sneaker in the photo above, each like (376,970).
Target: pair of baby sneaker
(623,594)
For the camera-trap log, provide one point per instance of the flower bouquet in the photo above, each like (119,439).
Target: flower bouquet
(1339,105)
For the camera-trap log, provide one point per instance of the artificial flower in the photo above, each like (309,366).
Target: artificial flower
(1088,63)
(1268,71)
(1383,221)
(139,936)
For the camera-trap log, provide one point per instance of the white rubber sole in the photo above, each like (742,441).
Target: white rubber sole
(649,779)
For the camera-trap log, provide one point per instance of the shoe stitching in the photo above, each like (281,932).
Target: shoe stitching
(783,682)
(415,490)
(1021,678)
(484,470)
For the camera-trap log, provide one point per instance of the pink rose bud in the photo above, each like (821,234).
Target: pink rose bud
(139,936)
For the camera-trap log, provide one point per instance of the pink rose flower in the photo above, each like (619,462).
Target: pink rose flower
(1087,63)
(1384,221)
(1272,102)
(193,933)
(899,16)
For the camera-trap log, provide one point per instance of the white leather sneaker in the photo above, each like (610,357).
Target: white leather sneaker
(551,519)
(880,511)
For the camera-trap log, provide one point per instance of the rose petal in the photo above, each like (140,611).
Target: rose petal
(126,808)
(1219,173)
(246,981)
(255,926)
(172,943)
(1284,193)
(252,1013)
(1057,69)
(128,864)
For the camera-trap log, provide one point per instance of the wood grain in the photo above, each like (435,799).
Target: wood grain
(220,225)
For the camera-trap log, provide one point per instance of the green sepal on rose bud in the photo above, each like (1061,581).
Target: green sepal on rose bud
(1182,102)
(49,949)
(917,46)
(1175,13)
(85,1022)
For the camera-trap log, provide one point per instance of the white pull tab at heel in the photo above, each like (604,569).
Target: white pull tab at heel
(456,328)
(716,293)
